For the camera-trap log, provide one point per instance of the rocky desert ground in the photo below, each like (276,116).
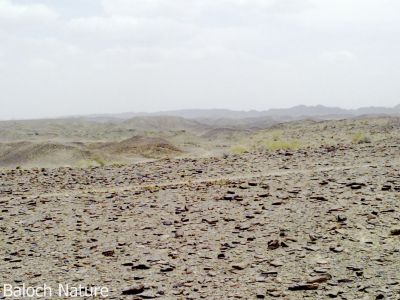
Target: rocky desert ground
(301,210)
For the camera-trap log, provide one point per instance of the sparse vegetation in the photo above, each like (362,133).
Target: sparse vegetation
(276,136)
(85,163)
(238,149)
(272,140)
(222,182)
(361,138)
(100,161)
(151,188)
(274,145)
(99,144)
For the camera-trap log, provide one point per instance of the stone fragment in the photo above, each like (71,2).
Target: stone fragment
(320,279)
(273,244)
(134,290)
(336,249)
(108,253)
(141,267)
(240,266)
(303,287)
(395,231)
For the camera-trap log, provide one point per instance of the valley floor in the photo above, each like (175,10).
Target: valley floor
(306,224)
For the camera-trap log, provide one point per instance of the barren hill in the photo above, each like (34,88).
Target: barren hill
(140,145)
(41,154)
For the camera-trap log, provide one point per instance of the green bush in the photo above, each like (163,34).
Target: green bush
(360,138)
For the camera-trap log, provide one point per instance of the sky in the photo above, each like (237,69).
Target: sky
(74,57)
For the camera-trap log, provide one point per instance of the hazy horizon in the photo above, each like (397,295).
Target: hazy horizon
(64,58)
(165,112)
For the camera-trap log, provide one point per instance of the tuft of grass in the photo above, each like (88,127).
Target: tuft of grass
(222,182)
(100,161)
(151,188)
(274,145)
(84,163)
(360,138)
(93,162)
(276,136)
(238,149)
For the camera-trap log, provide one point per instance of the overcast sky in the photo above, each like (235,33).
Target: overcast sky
(64,57)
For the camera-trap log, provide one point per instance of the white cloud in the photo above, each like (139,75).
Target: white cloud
(348,14)
(338,56)
(2,61)
(183,9)
(156,54)
(104,25)
(184,26)
(130,31)
(42,64)
(11,13)
(28,54)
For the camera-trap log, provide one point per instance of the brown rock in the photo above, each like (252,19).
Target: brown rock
(240,266)
(273,244)
(320,279)
(134,290)
(108,253)
(395,231)
(303,287)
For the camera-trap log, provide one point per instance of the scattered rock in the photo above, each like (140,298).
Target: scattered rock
(167,268)
(273,244)
(276,263)
(134,290)
(148,295)
(395,231)
(240,266)
(320,279)
(108,253)
(141,267)
(336,249)
(319,198)
(303,287)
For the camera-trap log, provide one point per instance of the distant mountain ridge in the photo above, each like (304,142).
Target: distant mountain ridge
(296,112)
